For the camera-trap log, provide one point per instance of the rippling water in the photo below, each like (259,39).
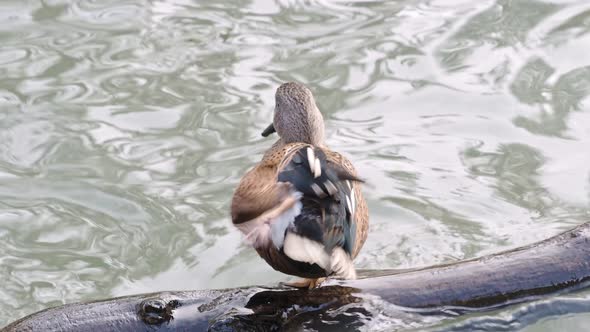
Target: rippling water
(125,126)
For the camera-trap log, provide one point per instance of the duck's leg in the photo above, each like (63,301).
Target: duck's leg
(305,283)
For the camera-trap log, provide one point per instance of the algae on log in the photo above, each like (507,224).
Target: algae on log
(559,263)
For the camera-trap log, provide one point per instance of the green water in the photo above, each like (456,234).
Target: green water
(125,126)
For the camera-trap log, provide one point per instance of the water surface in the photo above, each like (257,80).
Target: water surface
(125,126)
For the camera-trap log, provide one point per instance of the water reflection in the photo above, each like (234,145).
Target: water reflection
(125,126)
(555,101)
(540,315)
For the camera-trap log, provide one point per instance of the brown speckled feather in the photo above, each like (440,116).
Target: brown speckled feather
(258,191)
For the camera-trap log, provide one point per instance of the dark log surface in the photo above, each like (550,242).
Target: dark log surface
(561,263)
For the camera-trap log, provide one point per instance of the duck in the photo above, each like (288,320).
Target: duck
(301,207)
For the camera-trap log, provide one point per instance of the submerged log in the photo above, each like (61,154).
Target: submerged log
(561,263)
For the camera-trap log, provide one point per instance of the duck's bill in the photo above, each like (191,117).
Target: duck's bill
(269,130)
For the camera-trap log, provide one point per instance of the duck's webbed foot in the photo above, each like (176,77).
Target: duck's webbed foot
(305,283)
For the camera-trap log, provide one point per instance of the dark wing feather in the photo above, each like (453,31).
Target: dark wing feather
(326,217)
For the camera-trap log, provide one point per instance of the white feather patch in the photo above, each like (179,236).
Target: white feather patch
(317,190)
(310,158)
(352,202)
(256,235)
(341,264)
(330,187)
(279,226)
(270,227)
(317,168)
(348,204)
(305,250)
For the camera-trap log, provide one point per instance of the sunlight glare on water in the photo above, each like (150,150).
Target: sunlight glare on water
(126,125)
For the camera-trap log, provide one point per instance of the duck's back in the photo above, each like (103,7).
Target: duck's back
(325,231)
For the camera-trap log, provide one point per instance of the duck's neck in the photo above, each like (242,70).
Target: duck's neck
(309,133)
(299,125)
(315,142)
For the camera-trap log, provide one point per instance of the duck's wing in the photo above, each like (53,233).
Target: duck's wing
(260,201)
(324,232)
(361,211)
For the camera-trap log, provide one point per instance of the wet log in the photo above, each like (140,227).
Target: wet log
(558,264)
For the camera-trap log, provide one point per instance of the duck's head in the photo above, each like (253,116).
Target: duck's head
(296,116)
